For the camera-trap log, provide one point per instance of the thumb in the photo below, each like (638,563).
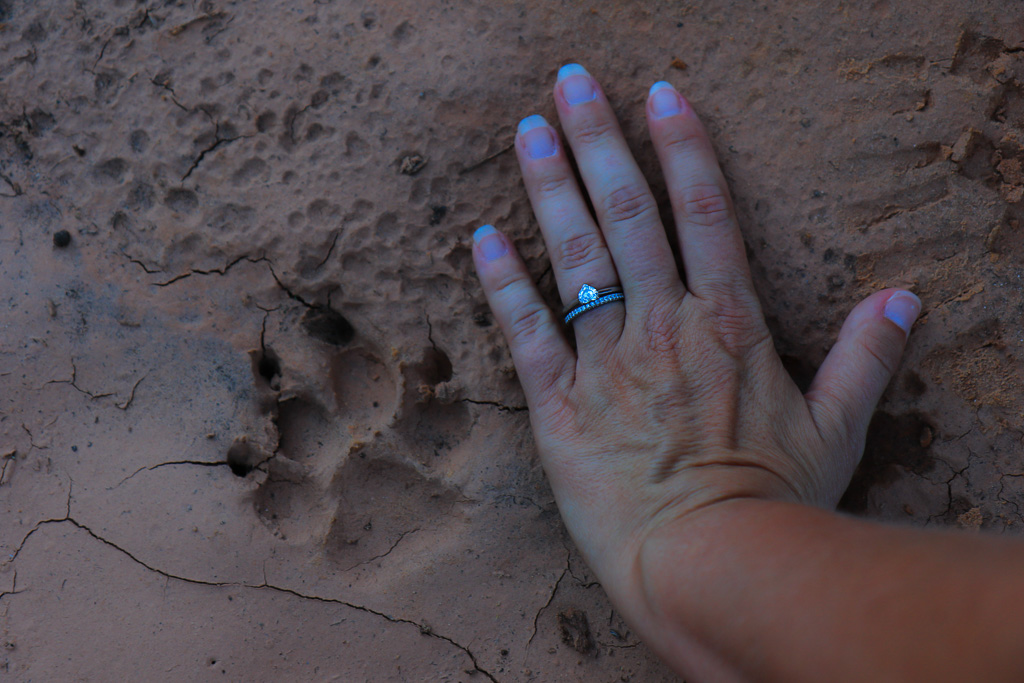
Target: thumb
(856,371)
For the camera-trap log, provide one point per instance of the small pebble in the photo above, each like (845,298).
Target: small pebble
(61,238)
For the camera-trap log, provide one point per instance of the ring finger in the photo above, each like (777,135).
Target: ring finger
(578,251)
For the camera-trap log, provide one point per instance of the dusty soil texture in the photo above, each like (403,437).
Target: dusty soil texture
(256,422)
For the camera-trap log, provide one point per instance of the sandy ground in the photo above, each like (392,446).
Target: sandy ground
(256,422)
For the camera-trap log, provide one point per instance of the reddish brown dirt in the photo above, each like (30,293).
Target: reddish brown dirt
(256,422)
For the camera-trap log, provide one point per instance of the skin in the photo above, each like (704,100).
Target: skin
(698,482)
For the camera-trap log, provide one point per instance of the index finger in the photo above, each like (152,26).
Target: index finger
(541,354)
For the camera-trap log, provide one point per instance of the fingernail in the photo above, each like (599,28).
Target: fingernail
(538,137)
(577,85)
(903,308)
(491,245)
(665,101)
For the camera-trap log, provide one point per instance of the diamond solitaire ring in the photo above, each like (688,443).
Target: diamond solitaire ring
(589,298)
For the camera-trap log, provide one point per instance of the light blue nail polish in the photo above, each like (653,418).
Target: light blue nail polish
(577,85)
(538,137)
(903,308)
(571,70)
(490,243)
(531,122)
(665,100)
(482,232)
(660,85)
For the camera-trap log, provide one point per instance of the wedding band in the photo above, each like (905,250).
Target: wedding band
(589,298)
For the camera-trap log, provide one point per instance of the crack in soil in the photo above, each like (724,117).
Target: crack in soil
(334,243)
(291,295)
(15,187)
(423,628)
(949,488)
(294,117)
(217,142)
(14,587)
(73,383)
(200,463)
(174,96)
(209,16)
(384,554)
(8,458)
(213,271)
(551,597)
(496,404)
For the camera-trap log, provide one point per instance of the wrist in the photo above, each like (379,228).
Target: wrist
(675,562)
(710,490)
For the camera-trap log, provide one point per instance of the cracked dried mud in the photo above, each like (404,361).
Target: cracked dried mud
(256,420)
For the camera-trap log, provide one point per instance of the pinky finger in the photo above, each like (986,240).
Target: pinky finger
(539,350)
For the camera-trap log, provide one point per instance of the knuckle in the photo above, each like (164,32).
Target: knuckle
(738,331)
(707,205)
(581,250)
(729,290)
(681,141)
(526,321)
(505,282)
(594,130)
(552,185)
(627,203)
(663,331)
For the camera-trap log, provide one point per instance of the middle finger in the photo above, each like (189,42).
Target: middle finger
(622,200)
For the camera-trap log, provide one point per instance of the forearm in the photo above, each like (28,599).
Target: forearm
(790,593)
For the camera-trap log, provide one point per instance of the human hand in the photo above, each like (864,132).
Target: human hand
(676,400)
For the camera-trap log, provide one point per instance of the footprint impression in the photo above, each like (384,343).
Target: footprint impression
(362,476)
